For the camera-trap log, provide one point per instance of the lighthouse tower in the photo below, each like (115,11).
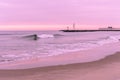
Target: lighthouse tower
(73,26)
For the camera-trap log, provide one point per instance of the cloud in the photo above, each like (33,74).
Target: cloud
(60,11)
(3,4)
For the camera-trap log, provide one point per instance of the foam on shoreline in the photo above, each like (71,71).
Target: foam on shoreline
(64,59)
(52,49)
(104,69)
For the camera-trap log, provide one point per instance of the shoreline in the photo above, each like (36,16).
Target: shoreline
(104,69)
(90,55)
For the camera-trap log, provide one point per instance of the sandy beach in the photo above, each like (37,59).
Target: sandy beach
(66,67)
(104,69)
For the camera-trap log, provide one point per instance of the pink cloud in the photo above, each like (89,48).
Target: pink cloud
(89,12)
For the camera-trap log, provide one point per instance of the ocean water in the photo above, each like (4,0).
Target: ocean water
(14,45)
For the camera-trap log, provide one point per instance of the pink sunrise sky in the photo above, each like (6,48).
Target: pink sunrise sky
(57,14)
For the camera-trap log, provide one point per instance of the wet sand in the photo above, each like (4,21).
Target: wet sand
(94,66)
(104,69)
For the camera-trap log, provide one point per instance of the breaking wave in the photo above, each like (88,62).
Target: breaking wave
(49,35)
(109,39)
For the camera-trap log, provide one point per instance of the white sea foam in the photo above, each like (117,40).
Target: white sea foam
(9,55)
(109,39)
(56,49)
(46,36)
(47,46)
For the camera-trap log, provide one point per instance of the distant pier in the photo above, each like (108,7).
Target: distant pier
(109,28)
(86,30)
